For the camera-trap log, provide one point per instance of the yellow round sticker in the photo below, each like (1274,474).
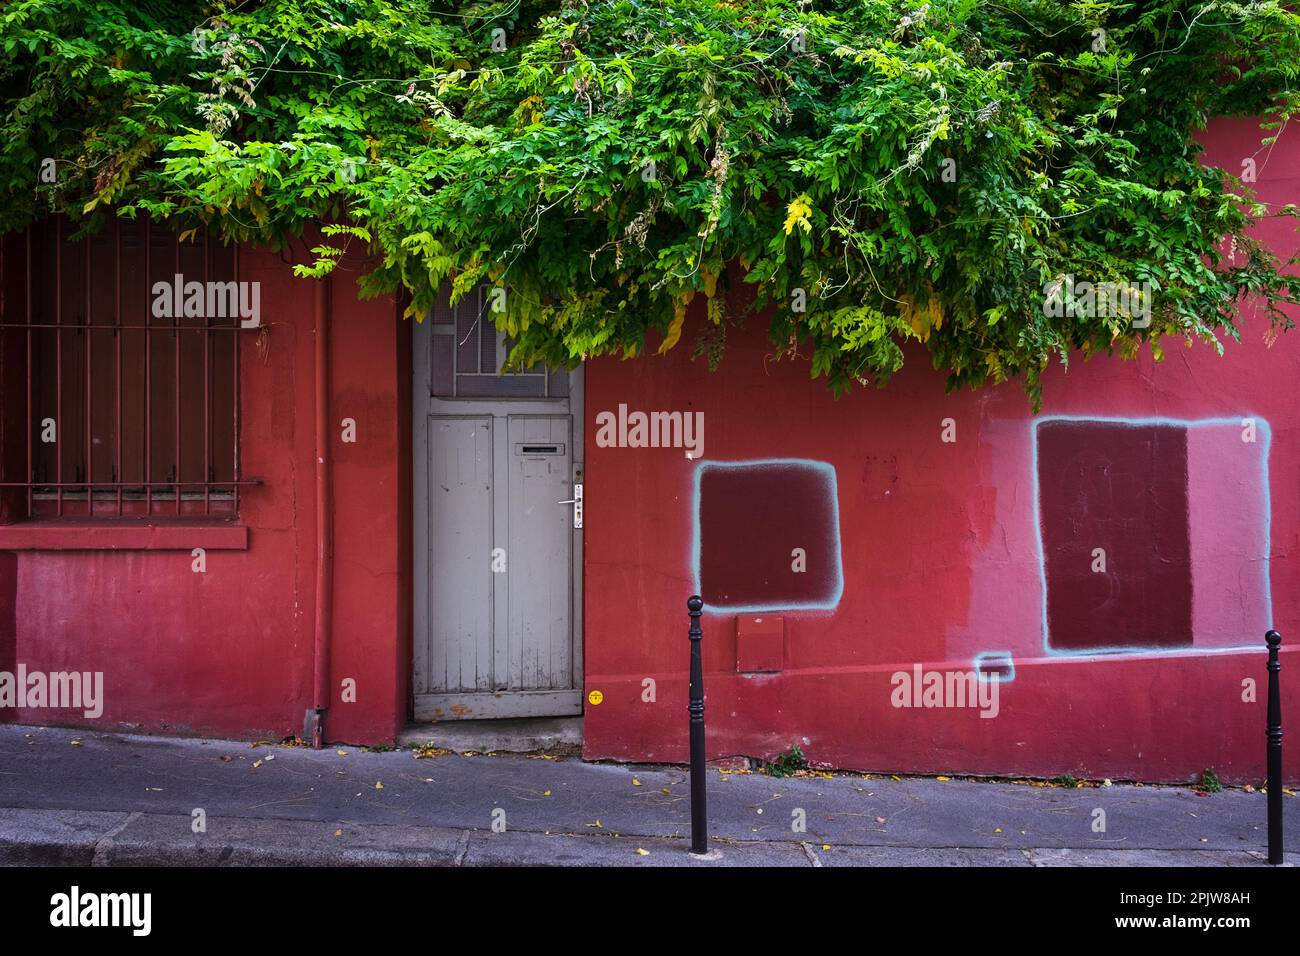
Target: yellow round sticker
(595,697)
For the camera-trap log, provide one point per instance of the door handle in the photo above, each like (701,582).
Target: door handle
(576,501)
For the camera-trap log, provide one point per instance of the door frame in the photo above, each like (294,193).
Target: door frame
(482,704)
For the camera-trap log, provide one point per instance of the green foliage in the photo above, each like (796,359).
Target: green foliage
(788,763)
(1210,781)
(609,161)
(1065,780)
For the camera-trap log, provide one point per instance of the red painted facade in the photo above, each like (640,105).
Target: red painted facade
(938,545)
(230,651)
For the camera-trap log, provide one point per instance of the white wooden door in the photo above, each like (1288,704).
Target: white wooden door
(497,557)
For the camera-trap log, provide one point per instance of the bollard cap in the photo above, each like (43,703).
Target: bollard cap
(695,604)
(1273,639)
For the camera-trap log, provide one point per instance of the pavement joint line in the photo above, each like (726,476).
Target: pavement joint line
(462,848)
(808,852)
(104,845)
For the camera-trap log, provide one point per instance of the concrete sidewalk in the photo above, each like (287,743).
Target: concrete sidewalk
(69,797)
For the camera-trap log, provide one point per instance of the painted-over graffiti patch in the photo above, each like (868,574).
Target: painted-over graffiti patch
(767,535)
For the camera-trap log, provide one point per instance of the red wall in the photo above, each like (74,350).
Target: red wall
(230,651)
(939,545)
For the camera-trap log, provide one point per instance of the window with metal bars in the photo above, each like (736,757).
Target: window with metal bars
(131,409)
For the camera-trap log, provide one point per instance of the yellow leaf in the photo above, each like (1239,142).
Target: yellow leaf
(641,852)
(942,778)
(546,793)
(256,764)
(710,282)
(797,214)
(338,833)
(826,846)
(341,753)
(922,319)
(674,330)
(636,782)
(378,785)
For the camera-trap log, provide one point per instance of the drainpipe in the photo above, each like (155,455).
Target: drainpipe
(314,726)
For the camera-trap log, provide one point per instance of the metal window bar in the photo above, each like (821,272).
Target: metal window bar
(108,491)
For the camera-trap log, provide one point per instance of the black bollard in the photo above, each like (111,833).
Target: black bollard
(699,812)
(1274,641)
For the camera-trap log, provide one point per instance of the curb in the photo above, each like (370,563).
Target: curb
(99,838)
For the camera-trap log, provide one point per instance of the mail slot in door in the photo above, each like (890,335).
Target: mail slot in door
(530,449)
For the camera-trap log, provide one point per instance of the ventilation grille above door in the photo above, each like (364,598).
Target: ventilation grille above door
(468,352)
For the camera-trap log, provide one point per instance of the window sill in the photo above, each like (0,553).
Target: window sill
(127,534)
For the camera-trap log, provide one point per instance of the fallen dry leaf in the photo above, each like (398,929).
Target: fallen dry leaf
(636,782)
(256,764)
(546,793)
(945,779)
(341,753)
(597,824)
(338,833)
(76,743)
(378,785)
(641,852)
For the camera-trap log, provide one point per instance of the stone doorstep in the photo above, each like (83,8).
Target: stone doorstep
(510,735)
